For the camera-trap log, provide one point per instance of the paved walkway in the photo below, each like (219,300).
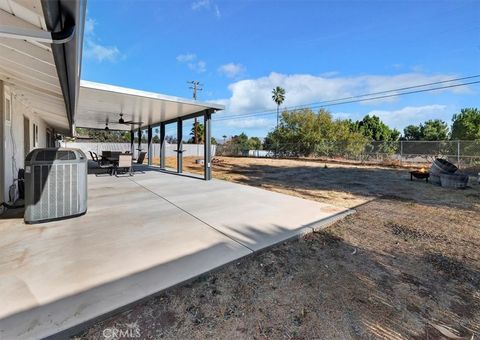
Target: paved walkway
(141,235)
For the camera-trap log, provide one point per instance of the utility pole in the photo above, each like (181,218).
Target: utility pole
(195,86)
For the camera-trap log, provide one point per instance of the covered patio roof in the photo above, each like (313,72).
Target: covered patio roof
(100,104)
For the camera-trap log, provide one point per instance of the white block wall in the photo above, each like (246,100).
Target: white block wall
(195,150)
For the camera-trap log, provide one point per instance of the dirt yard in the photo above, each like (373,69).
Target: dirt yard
(406,265)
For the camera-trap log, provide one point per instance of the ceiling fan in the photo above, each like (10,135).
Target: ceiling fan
(123,121)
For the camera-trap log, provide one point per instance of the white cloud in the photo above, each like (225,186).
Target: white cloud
(251,95)
(200,66)
(89,26)
(186,57)
(200,4)
(217,11)
(231,70)
(412,115)
(208,5)
(101,52)
(249,123)
(93,49)
(191,60)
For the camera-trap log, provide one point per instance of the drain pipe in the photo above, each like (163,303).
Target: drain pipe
(38,35)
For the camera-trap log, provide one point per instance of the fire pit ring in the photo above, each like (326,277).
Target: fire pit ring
(419,174)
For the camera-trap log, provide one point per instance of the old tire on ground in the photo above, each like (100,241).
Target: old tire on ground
(457,181)
(442,166)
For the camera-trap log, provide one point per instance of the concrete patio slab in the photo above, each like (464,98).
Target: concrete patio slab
(255,217)
(141,235)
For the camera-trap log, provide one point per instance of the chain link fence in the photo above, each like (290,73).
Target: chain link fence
(465,154)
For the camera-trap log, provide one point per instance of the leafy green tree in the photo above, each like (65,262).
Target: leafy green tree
(374,129)
(434,130)
(304,132)
(171,139)
(241,141)
(254,143)
(412,132)
(466,124)
(278,96)
(97,135)
(242,144)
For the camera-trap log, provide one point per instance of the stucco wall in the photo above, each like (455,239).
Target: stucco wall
(14,139)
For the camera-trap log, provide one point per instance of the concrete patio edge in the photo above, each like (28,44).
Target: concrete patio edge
(317,226)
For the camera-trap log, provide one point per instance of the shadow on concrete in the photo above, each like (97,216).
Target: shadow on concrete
(447,285)
(315,288)
(68,312)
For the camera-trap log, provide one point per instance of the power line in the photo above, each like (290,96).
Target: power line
(395,90)
(371,94)
(342,101)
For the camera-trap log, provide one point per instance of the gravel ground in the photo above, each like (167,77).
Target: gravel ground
(406,265)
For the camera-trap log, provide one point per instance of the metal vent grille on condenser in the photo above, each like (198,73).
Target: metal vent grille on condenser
(55,184)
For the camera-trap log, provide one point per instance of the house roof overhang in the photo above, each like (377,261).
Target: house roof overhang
(61,15)
(44,76)
(100,104)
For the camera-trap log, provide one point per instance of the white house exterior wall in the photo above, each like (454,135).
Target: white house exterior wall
(13,138)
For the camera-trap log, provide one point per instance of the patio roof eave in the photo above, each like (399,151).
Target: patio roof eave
(100,104)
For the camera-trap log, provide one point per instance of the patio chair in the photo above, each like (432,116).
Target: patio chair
(138,165)
(115,154)
(141,157)
(125,164)
(106,154)
(91,155)
(101,163)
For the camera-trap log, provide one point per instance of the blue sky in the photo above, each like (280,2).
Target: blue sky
(316,50)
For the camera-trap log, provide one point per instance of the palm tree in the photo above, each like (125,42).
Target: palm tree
(278,96)
(197,133)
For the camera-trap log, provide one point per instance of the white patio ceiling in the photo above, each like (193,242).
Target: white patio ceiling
(102,103)
(28,66)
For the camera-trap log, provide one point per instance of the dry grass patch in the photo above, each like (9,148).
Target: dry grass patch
(406,265)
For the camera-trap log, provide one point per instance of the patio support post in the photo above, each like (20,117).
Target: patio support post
(163,147)
(149,145)
(139,140)
(207,150)
(132,137)
(179,145)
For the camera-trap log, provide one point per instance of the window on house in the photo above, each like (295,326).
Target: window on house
(8,110)
(35,135)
